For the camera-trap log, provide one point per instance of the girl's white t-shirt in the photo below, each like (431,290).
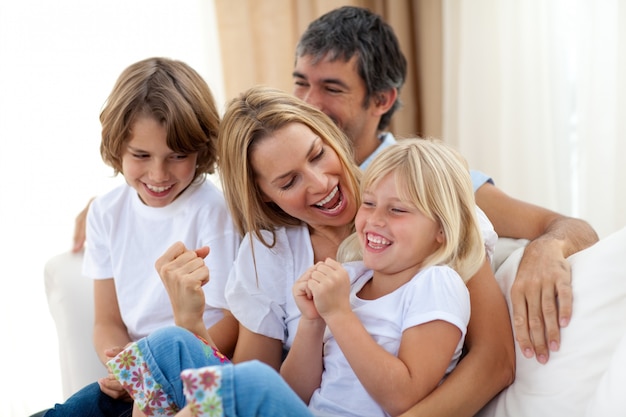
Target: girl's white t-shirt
(435,293)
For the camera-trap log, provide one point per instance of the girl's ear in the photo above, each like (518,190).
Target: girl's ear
(441,236)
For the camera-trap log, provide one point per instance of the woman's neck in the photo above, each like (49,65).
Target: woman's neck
(326,240)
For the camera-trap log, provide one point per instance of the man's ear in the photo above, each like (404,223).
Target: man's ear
(383,100)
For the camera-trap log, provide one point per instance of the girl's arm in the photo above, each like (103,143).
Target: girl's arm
(302,369)
(489,365)
(397,383)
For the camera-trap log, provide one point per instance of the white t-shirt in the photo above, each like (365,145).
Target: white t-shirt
(435,293)
(125,237)
(261,299)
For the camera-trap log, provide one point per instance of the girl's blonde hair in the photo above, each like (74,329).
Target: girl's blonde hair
(249,119)
(172,93)
(434,177)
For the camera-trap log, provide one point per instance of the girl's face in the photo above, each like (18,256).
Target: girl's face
(299,172)
(158,174)
(394,234)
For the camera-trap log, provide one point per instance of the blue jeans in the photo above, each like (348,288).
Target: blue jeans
(91,401)
(247,389)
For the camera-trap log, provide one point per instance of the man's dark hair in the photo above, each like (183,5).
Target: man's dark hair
(346,31)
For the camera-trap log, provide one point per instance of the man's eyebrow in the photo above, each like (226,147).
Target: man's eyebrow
(335,81)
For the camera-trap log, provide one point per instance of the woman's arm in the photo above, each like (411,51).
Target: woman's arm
(252,345)
(489,365)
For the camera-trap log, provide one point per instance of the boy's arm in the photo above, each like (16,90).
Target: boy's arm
(541,295)
(109,329)
(110,334)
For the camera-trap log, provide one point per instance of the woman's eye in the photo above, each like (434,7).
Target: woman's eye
(319,155)
(288,185)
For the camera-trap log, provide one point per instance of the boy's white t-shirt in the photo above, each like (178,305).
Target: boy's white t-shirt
(125,237)
(435,293)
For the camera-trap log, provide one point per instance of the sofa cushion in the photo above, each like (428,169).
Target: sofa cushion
(567,383)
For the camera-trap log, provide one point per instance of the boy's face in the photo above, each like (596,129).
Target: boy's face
(158,174)
(337,89)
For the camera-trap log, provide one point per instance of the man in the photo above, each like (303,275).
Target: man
(349,64)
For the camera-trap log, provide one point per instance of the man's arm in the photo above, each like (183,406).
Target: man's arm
(80,228)
(541,295)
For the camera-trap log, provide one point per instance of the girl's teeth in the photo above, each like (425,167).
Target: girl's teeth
(378,240)
(328,198)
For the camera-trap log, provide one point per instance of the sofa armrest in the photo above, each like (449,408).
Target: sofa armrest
(70,300)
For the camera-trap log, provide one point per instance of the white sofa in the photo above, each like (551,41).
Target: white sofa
(587,377)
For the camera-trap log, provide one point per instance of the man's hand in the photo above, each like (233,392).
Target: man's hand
(541,297)
(80,228)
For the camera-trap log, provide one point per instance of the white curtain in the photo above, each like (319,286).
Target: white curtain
(59,62)
(534,95)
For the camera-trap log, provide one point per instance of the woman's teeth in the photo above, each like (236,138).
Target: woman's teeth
(328,198)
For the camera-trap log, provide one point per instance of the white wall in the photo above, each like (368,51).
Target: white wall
(58,62)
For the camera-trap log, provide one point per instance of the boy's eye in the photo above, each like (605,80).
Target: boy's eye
(177,157)
(140,155)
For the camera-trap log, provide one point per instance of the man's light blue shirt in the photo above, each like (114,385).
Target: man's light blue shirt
(387,139)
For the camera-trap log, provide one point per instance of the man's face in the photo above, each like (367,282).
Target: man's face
(336,88)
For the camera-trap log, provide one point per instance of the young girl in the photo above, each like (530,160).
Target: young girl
(375,336)
(159,130)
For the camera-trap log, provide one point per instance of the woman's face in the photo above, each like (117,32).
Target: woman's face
(299,172)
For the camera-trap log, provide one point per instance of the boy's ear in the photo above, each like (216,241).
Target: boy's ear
(383,100)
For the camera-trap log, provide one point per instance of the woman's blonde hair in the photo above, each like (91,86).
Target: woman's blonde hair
(172,93)
(434,177)
(253,116)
